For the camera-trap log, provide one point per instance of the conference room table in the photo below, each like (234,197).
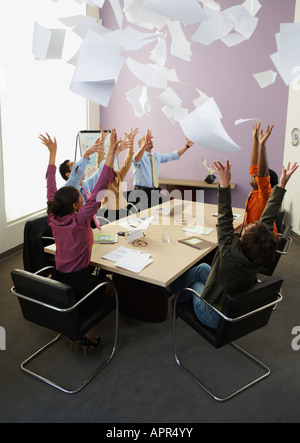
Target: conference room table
(170,259)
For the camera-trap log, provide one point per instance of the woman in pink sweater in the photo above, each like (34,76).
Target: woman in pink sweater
(70,221)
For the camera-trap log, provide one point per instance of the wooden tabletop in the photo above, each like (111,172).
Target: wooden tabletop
(170,260)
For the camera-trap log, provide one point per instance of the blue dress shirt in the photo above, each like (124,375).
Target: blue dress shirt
(142,170)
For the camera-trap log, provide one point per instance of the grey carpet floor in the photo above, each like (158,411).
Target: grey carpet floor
(143,384)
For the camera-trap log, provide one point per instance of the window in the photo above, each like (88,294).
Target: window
(35,98)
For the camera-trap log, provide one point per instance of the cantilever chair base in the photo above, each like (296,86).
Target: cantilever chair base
(50,304)
(216,397)
(241,315)
(52,383)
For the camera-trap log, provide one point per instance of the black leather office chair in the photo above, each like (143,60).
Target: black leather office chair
(51,304)
(241,315)
(37,235)
(284,244)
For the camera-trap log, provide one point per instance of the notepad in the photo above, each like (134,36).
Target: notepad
(196,242)
(202,230)
(105,238)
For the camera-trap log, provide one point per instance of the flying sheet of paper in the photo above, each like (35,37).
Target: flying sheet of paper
(75,20)
(252,6)
(139,100)
(244,120)
(203,126)
(217,25)
(180,46)
(129,39)
(94,79)
(187,12)
(172,108)
(89,24)
(47,43)
(136,13)
(151,74)
(265,78)
(116,7)
(159,53)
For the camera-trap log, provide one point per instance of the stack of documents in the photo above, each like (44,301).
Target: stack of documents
(128,259)
(198,229)
(105,238)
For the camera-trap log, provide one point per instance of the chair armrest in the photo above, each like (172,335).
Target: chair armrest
(289,240)
(65,310)
(41,271)
(229,319)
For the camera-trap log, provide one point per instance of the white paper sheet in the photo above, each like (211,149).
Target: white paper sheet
(203,126)
(244,120)
(136,13)
(139,100)
(265,78)
(134,262)
(134,235)
(217,25)
(118,253)
(180,46)
(116,7)
(187,11)
(47,43)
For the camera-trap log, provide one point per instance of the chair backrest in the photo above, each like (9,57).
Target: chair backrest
(284,241)
(35,288)
(261,294)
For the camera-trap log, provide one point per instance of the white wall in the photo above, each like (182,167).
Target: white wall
(292,153)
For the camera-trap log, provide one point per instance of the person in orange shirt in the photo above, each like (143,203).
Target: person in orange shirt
(263,179)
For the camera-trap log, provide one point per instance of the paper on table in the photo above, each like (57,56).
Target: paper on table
(134,262)
(134,235)
(47,43)
(265,78)
(204,127)
(118,253)
(198,229)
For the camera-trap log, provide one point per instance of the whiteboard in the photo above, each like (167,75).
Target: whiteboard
(87,139)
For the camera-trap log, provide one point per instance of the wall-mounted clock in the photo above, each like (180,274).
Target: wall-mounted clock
(295,136)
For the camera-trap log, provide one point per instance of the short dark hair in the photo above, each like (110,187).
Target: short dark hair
(63,201)
(259,244)
(273,178)
(64,169)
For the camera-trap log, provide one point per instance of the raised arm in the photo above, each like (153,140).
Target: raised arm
(51,145)
(144,142)
(254,150)
(262,164)
(188,144)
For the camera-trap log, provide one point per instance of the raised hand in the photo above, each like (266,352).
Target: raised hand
(51,145)
(287,173)
(223,171)
(255,132)
(263,137)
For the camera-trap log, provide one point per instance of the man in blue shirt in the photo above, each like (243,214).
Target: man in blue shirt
(145,166)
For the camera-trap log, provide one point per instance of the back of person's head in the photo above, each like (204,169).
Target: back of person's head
(63,201)
(273,178)
(64,169)
(259,244)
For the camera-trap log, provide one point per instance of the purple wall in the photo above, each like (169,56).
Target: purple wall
(225,74)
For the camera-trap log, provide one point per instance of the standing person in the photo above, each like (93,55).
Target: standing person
(114,204)
(145,167)
(263,179)
(70,221)
(238,259)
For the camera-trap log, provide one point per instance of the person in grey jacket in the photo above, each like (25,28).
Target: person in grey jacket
(238,259)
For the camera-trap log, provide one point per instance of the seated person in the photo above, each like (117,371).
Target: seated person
(238,259)
(70,221)
(263,179)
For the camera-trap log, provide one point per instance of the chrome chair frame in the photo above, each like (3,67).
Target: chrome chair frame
(265,368)
(59,336)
